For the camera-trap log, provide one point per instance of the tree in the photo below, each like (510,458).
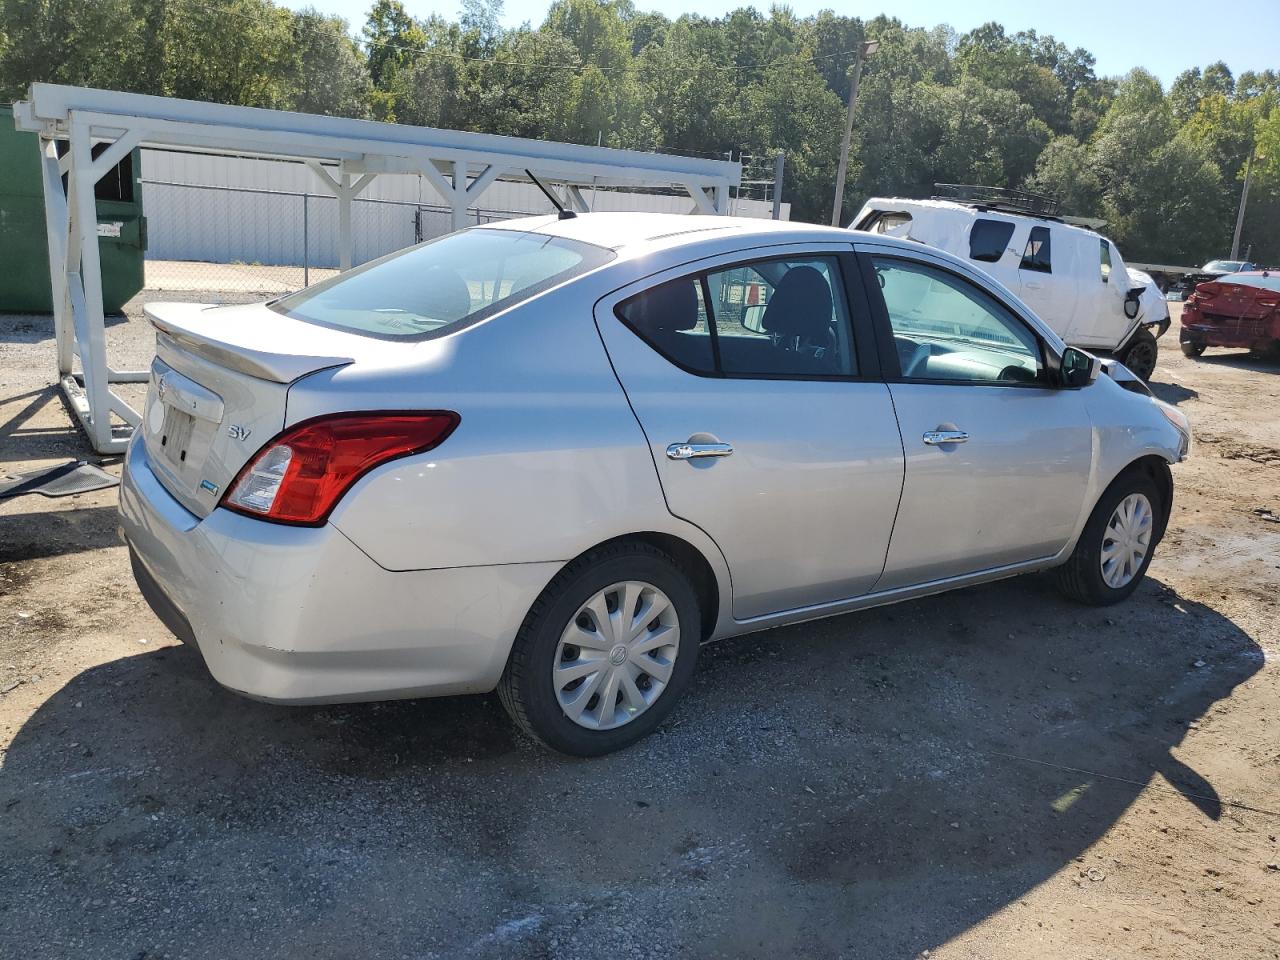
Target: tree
(330,73)
(1065,170)
(393,41)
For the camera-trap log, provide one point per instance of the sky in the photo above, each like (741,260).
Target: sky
(1166,37)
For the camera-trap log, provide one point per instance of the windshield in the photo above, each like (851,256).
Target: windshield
(442,285)
(1226,266)
(1270,282)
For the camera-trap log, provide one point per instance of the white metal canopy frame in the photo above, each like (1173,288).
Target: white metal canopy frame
(345,154)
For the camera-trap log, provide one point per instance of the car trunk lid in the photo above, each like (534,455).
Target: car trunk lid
(219,388)
(1226,302)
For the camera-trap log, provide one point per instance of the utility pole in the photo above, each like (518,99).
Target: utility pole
(779,166)
(1244,199)
(867,48)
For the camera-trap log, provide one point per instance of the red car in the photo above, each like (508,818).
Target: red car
(1237,310)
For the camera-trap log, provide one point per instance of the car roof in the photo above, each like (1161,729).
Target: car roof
(642,232)
(972,210)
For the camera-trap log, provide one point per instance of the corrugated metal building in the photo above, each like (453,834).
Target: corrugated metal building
(222,209)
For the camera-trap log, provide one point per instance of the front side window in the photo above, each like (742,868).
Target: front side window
(444,284)
(947,329)
(769,318)
(988,239)
(1036,255)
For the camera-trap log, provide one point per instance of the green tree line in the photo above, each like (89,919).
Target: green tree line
(1162,167)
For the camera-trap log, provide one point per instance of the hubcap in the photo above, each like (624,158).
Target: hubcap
(616,655)
(1126,540)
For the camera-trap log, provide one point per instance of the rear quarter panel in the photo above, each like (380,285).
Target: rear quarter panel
(547,461)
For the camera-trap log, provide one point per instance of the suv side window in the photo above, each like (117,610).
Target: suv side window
(893,222)
(988,239)
(1036,255)
(1106,260)
(768,318)
(947,329)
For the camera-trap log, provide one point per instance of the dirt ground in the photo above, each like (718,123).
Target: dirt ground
(990,774)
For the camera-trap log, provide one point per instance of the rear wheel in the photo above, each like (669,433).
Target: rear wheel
(1115,549)
(1140,355)
(606,651)
(1191,349)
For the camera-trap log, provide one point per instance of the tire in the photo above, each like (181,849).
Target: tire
(1140,355)
(1191,349)
(534,700)
(1082,577)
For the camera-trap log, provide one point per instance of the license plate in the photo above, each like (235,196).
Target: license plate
(175,435)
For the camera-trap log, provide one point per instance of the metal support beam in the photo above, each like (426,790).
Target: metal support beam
(460,165)
(57,226)
(345,191)
(85,280)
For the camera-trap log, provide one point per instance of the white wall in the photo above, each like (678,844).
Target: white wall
(233,209)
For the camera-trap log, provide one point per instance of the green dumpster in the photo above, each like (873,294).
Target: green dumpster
(24,244)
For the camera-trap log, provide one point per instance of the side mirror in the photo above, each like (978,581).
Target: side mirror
(1133,301)
(1079,369)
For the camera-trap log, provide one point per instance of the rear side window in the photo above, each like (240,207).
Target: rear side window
(767,318)
(1106,260)
(1036,255)
(672,318)
(988,239)
(440,286)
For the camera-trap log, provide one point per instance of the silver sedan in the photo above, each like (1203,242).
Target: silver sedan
(554,456)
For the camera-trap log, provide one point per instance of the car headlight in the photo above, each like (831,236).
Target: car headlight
(1180,423)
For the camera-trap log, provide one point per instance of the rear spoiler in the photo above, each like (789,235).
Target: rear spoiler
(195,328)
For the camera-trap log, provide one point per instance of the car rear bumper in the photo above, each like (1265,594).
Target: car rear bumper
(1251,334)
(302,615)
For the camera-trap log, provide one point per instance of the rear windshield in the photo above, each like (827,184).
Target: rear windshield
(1267,283)
(439,286)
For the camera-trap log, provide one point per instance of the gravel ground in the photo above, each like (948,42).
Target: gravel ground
(994,773)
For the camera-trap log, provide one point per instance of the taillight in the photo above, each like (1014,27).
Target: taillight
(1208,290)
(301,475)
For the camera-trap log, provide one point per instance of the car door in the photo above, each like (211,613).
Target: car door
(1100,321)
(997,458)
(1046,282)
(769,427)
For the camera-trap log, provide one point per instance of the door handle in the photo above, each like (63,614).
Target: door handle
(937,437)
(691,451)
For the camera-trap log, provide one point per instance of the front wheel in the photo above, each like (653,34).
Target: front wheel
(1115,548)
(605,652)
(1140,355)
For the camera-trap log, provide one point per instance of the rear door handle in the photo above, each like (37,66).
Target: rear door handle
(935,438)
(692,451)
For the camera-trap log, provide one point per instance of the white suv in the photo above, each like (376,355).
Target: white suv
(1073,278)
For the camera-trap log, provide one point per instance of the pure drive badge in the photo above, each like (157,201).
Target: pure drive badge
(210,487)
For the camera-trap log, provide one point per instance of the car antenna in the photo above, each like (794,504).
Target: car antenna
(565,214)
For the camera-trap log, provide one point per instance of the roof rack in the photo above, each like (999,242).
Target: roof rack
(997,198)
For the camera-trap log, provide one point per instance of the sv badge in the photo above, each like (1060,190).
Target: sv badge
(237,432)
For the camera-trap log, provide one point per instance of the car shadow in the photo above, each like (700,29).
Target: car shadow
(870,785)
(1173,393)
(1242,360)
